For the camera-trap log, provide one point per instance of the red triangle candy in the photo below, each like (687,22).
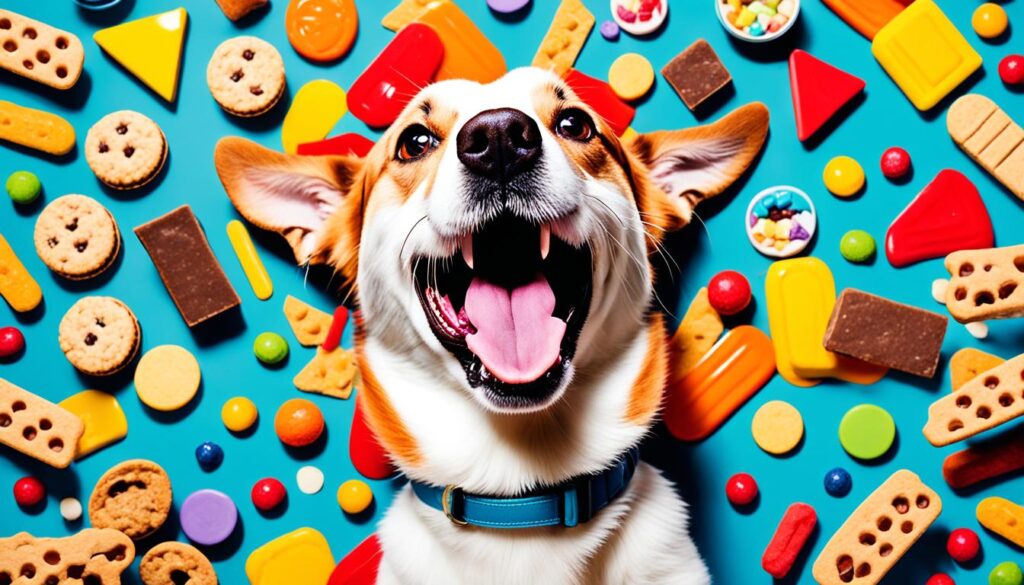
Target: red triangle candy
(819,91)
(948,215)
(359,567)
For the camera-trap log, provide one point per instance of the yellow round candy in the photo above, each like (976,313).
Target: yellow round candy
(989,20)
(239,414)
(777,427)
(843,176)
(167,377)
(354,496)
(631,76)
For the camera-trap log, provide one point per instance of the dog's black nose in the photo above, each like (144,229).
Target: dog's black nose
(499,144)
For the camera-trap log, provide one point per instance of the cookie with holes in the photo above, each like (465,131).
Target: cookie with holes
(99,335)
(125,150)
(133,496)
(171,563)
(76,237)
(246,76)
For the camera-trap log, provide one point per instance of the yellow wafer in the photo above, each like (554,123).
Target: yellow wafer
(564,40)
(16,284)
(35,129)
(249,258)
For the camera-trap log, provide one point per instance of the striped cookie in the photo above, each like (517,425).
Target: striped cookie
(988,135)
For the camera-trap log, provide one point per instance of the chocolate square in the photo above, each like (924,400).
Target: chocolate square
(696,74)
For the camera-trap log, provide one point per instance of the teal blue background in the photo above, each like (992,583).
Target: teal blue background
(731,540)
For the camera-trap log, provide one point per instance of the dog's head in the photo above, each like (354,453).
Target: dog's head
(497,237)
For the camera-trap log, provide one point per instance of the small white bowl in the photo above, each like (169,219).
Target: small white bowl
(766,38)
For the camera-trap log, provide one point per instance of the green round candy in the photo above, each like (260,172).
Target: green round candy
(867,431)
(1007,573)
(23,187)
(270,348)
(857,246)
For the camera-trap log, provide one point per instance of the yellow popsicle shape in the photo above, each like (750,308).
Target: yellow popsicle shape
(16,284)
(924,53)
(301,556)
(315,109)
(149,48)
(249,258)
(1003,517)
(104,420)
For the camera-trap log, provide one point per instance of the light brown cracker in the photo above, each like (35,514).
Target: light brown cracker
(170,563)
(990,137)
(985,402)
(37,427)
(697,333)
(968,363)
(99,335)
(565,38)
(92,556)
(332,373)
(246,76)
(40,52)
(76,237)
(134,497)
(986,284)
(125,149)
(310,325)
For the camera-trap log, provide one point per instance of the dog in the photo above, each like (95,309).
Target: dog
(497,240)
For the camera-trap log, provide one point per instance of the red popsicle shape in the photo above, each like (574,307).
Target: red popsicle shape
(399,72)
(600,96)
(819,91)
(359,567)
(948,215)
(350,144)
(367,455)
(790,537)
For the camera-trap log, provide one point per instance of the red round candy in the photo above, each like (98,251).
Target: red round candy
(1011,69)
(895,162)
(29,491)
(963,545)
(741,489)
(268,493)
(729,292)
(11,341)
(940,579)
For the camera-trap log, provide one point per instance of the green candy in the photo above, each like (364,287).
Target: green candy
(857,246)
(270,348)
(23,187)
(1007,573)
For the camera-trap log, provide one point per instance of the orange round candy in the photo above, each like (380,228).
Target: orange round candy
(298,422)
(321,30)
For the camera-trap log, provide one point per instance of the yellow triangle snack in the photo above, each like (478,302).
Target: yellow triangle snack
(969,363)
(331,373)
(310,325)
(149,48)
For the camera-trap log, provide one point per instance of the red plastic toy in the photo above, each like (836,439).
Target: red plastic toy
(359,567)
(350,144)
(948,215)
(399,72)
(790,537)
(819,91)
(368,456)
(600,96)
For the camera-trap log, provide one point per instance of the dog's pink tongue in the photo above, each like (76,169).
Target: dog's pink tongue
(516,337)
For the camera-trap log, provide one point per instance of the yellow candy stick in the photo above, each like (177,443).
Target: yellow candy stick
(1002,517)
(250,260)
(16,284)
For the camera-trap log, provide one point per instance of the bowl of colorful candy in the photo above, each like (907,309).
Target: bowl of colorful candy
(757,21)
(639,17)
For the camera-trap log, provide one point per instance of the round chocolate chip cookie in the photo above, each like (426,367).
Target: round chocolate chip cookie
(76,237)
(246,76)
(134,497)
(99,335)
(125,149)
(176,563)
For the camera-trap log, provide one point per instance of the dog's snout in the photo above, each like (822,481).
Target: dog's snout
(499,144)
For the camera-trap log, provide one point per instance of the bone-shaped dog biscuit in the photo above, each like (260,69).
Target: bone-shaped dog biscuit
(96,556)
(879,532)
(986,284)
(40,52)
(988,135)
(37,427)
(991,399)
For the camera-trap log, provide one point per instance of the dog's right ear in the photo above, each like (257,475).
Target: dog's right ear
(290,194)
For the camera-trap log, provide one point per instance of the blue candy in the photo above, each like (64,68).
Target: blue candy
(756,29)
(784,199)
(838,482)
(209,455)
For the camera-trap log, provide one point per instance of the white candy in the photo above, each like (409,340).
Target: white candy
(70,509)
(939,286)
(786,8)
(763,20)
(979,329)
(310,479)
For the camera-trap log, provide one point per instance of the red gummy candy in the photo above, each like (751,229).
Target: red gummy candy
(1011,69)
(940,579)
(399,72)
(359,567)
(367,455)
(11,342)
(729,292)
(948,215)
(741,489)
(790,537)
(963,545)
(600,96)
(333,339)
(895,162)
(625,14)
(29,491)
(350,144)
(267,494)
(819,91)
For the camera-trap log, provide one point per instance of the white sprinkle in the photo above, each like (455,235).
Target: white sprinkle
(310,479)
(939,286)
(978,329)
(70,509)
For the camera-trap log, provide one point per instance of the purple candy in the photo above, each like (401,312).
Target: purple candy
(208,517)
(507,6)
(797,232)
(610,30)
(753,219)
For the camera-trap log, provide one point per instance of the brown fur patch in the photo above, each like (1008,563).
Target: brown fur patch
(645,396)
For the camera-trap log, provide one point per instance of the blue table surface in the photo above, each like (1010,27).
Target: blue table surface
(731,541)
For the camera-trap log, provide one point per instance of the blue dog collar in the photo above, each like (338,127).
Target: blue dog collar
(569,504)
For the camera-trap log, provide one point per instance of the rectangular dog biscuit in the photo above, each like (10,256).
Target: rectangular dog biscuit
(36,129)
(990,137)
(986,284)
(102,553)
(37,427)
(565,38)
(40,52)
(985,402)
(696,335)
(17,286)
(879,532)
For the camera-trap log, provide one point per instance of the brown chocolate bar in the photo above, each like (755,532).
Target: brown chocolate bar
(886,333)
(696,74)
(178,247)
(985,461)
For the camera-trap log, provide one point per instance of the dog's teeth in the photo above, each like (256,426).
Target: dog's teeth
(545,241)
(467,250)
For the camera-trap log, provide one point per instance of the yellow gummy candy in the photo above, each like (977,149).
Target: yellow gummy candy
(250,260)
(102,416)
(1003,517)
(745,18)
(302,556)
(315,109)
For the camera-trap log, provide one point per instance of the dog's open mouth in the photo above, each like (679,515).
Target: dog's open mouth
(509,305)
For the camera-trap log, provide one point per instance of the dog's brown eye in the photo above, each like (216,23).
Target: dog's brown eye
(415,142)
(574,124)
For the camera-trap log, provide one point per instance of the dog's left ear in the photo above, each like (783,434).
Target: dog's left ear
(688,166)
